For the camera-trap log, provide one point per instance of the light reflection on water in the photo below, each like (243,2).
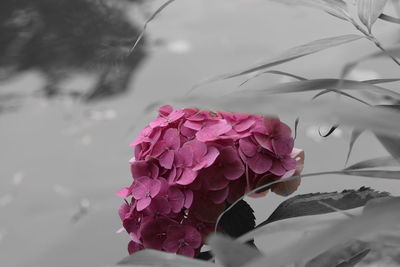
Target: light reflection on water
(74,156)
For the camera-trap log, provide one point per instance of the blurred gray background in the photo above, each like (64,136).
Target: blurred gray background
(72,99)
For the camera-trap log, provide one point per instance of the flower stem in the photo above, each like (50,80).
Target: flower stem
(374,40)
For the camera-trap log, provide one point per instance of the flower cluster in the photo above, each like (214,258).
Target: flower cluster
(189,164)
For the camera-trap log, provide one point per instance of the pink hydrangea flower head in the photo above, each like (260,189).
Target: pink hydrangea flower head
(190,164)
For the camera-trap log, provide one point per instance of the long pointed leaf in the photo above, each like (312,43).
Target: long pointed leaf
(373,163)
(283,73)
(318,84)
(161,8)
(354,136)
(375,174)
(291,54)
(389,18)
(337,8)
(369,11)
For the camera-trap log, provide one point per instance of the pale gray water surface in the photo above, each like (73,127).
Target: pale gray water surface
(63,161)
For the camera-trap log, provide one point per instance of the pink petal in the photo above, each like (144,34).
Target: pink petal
(188,198)
(282,146)
(134,247)
(171,245)
(277,168)
(187,131)
(160,205)
(134,237)
(247,147)
(155,187)
(192,236)
(124,192)
(288,163)
(175,115)
(264,141)
(216,182)
(165,110)
(187,177)
(143,203)
(244,124)
(234,171)
(167,159)
(213,130)
(260,163)
(171,138)
(208,159)
(197,117)
(284,131)
(184,156)
(175,232)
(186,251)
(144,168)
(219,196)
(194,125)
(176,199)
(139,190)
(199,148)
(271,124)
(123,210)
(158,148)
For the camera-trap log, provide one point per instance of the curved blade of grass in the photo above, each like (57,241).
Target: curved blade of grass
(373,163)
(150,257)
(374,174)
(296,125)
(231,253)
(283,73)
(331,130)
(341,93)
(337,8)
(369,11)
(355,259)
(374,81)
(389,18)
(161,8)
(289,55)
(379,81)
(318,84)
(354,136)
